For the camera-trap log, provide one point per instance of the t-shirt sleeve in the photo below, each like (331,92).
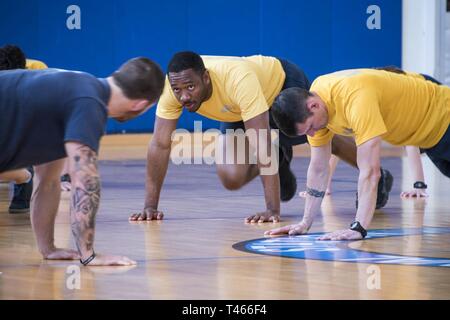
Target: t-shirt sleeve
(321,137)
(168,106)
(35,64)
(364,116)
(246,92)
(86,123)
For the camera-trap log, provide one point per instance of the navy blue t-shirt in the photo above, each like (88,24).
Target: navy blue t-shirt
(40,110)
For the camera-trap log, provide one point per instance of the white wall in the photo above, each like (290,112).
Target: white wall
(447,49)
(423,37)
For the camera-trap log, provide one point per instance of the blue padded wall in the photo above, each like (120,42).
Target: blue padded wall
(320,36)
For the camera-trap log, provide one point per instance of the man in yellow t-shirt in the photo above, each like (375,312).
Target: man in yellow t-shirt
(372,105)
(413,153)
(238,91)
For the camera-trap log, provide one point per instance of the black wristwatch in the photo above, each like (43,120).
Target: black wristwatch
(420,185)
(356,226)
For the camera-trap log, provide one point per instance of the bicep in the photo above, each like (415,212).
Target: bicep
(162,134)
(248,95)
(258,127)
(86,123)
(365,117)
(260,121)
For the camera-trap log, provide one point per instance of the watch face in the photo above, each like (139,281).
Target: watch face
(354,224)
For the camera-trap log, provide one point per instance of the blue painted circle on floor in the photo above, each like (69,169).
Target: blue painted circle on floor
(309,247)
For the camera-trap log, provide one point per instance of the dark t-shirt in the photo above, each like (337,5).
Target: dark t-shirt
(40,110)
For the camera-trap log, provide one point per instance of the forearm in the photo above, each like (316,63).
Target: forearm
(85,200)
(18,176)
(415,163)
(367,195)
(43,211)
(157,163)
(317,178)
(271,184)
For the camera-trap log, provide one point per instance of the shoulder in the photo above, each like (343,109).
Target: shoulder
(35,64)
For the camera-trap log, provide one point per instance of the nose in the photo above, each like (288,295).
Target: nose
(185,96)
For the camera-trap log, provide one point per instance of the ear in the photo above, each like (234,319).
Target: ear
(312,104)
(140,105)
(206,78)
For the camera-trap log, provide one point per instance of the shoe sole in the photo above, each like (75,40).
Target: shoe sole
(388,185)
(290,196)
(19,210)
(287,155)
(389,181)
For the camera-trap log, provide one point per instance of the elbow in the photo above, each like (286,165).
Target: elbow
(318,170)
(372,174)
(159,146)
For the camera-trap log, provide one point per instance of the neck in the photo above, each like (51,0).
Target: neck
(323,108)
(116,100)
(210,88)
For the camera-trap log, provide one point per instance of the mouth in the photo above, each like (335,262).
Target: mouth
(121,119)
(190,106)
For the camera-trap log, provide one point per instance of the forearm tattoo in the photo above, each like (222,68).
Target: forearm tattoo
(315,193)
(85,197)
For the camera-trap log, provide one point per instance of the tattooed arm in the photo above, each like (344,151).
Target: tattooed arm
(85,199)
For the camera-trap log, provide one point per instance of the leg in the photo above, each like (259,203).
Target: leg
(442,164)
(233,166)
(430,78)
(333,163)
(23,188)
(65,177)
(44,207)
(440,154)
(345,149)
(17,176)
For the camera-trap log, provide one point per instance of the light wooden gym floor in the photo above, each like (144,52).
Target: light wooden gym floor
(189,255)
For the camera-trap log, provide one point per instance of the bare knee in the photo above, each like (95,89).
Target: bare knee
(231,177)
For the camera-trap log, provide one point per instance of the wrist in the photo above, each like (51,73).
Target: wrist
(47,250)
(87,260)
(420,185)
(356,226)
(306,222)
(150,205)
(85,255)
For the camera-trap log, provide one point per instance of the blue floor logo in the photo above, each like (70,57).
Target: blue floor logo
(308,247)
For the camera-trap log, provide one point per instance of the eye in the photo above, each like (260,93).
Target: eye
(191,87)
(176,90)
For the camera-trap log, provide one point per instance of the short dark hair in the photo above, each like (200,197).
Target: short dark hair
(392,69)
(186,60)
(140,78)
(12,57)
(289,108)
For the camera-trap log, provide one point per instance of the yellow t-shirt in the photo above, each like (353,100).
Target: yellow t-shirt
(35,64)
(402,109)
(243,88)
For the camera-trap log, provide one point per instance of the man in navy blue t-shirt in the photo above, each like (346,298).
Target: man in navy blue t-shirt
(47,115)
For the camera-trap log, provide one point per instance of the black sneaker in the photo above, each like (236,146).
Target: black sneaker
(20,202)
(384,187)
(288,182)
